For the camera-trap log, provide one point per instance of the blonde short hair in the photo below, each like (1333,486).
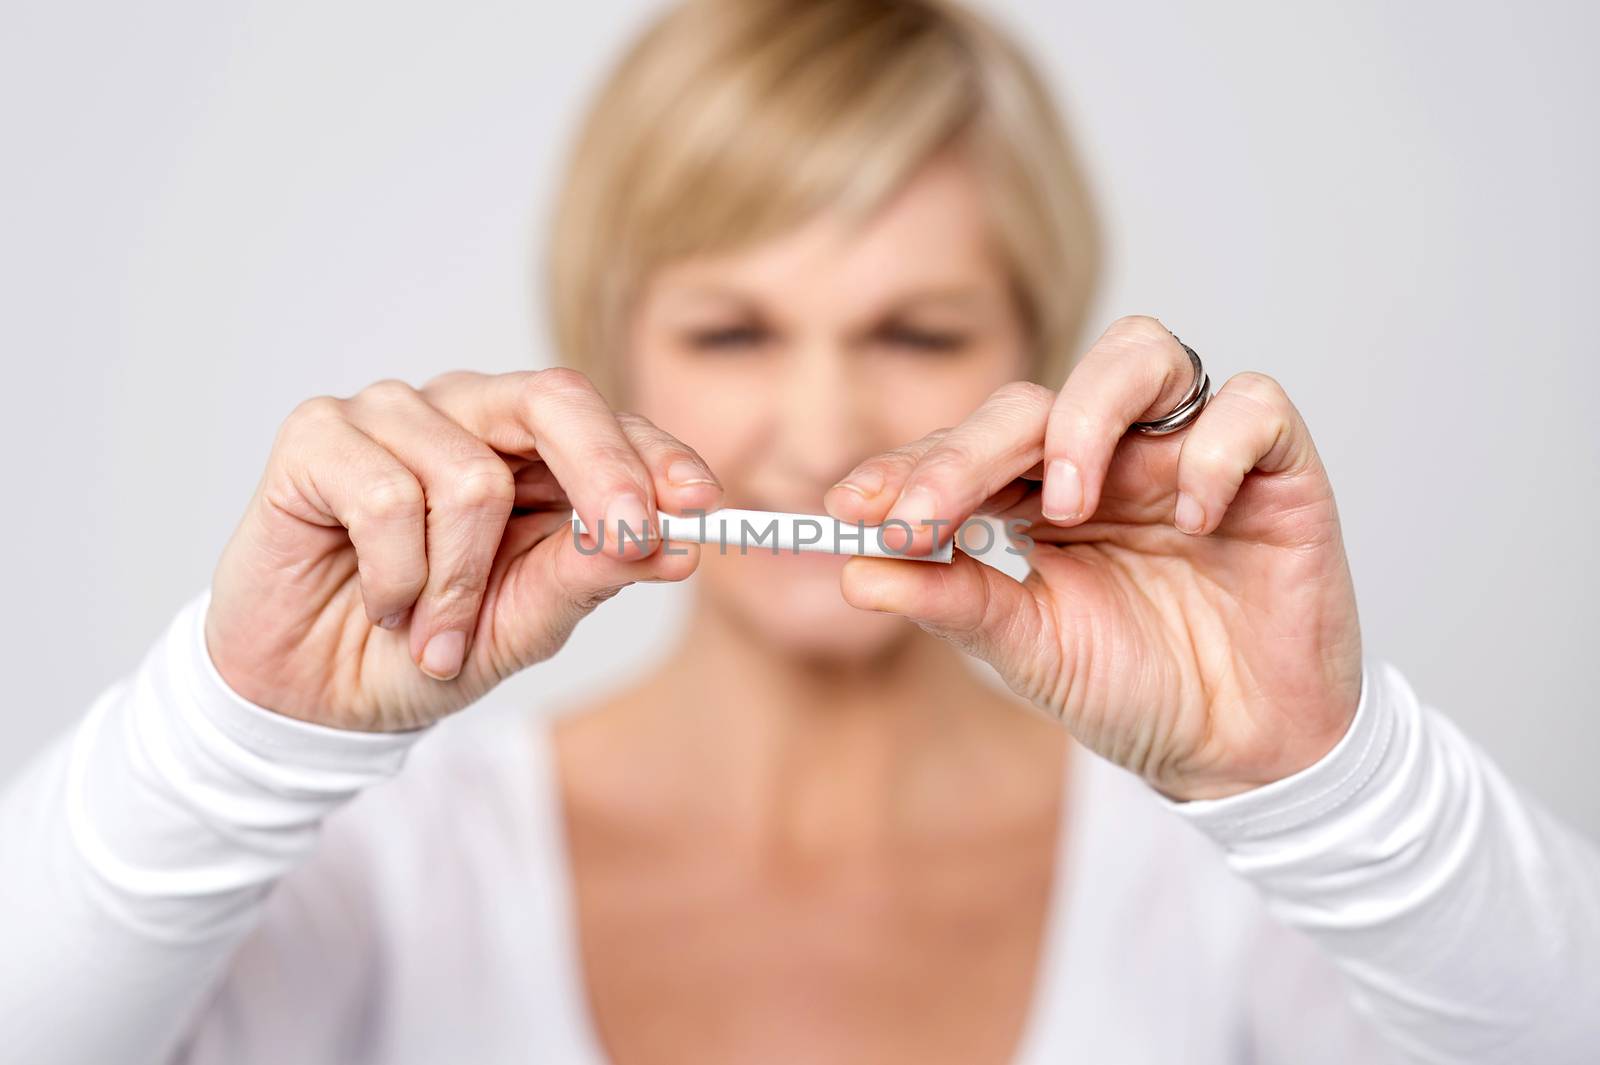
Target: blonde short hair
(731,121)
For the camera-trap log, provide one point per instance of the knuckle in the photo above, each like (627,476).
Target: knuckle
(482,484)
(388,392)
(894,463)
(615,462)
(1261,399)
(908,454)
(392,497)
(448,382)
(557,395)
(583,602)
(1141,327)
(1077,423)
(943,465)
(1258,385)
(396,580)
(559,380)
(1024,395)
(450,379)
(461,588)
(318,410)
(1208,457)
(587,600)
(581,596)
(298,435)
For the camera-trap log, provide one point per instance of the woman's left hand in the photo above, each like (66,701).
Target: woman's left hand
(1189,613)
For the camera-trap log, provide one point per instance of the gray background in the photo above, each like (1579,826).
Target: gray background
(211,210)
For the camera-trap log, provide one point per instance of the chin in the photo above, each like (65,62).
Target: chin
(793,604)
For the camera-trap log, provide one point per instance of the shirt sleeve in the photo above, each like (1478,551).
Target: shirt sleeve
(1464,917)
(138,851)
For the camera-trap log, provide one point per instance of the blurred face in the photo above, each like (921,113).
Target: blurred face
(786,363)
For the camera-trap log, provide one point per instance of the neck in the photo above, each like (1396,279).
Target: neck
(822,757)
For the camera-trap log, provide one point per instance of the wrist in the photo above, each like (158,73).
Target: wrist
(1318,784)
(241,712)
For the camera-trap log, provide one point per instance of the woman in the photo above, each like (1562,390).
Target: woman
(820,255)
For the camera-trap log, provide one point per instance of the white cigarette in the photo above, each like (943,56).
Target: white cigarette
(751,532)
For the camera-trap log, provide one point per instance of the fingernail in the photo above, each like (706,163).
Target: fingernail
(627,520)
(1189,516)
(867,482)
(393,621)
(916,508)
(1063,491)
(686,471)
(441,658)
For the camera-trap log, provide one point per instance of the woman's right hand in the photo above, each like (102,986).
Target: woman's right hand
(407,549)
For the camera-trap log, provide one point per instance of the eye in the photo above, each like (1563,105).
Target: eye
(913,338)
(730,338)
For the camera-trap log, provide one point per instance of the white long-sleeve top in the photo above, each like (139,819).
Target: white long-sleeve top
(187,877)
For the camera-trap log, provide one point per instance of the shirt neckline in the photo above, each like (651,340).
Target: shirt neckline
(550,857)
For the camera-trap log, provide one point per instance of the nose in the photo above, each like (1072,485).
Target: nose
(824,420)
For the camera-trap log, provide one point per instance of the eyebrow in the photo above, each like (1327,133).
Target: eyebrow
(942,294)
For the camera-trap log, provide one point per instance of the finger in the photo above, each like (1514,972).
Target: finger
(1250,424)
(1136,370)
(976,607)
(683,481)
(352,481)
(538,489)
(557,416)
(995,445)
(541,594)
(469,490)
(867,492)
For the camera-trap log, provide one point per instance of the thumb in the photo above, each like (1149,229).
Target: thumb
(976,607)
